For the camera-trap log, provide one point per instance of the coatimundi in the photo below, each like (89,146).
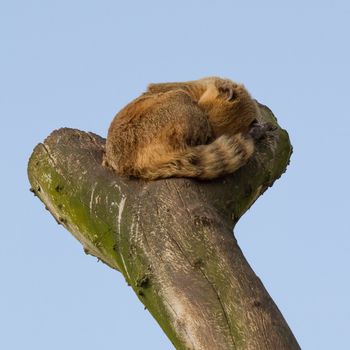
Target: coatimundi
(199,129)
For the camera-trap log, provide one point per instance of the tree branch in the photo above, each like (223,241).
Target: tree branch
(171,239)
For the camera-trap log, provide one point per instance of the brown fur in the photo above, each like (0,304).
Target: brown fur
(191,129)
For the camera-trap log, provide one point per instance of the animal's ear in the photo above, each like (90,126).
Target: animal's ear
(158,87)
(152,87)
(164,87)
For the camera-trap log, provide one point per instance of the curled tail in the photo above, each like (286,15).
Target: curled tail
(223,156)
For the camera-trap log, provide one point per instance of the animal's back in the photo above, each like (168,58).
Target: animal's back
(151,125)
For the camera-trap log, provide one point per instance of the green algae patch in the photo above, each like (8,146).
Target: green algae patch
(87,222)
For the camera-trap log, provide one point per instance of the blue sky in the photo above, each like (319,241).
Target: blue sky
(76,63)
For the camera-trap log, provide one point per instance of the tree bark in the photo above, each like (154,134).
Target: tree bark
(171,239)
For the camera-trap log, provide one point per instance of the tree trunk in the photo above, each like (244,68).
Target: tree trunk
(171,239)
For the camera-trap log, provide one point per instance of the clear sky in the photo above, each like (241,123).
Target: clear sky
(76,63)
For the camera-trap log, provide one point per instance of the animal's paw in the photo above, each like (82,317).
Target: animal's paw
(258,131)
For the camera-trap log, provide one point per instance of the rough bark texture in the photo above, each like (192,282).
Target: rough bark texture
(171,239)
